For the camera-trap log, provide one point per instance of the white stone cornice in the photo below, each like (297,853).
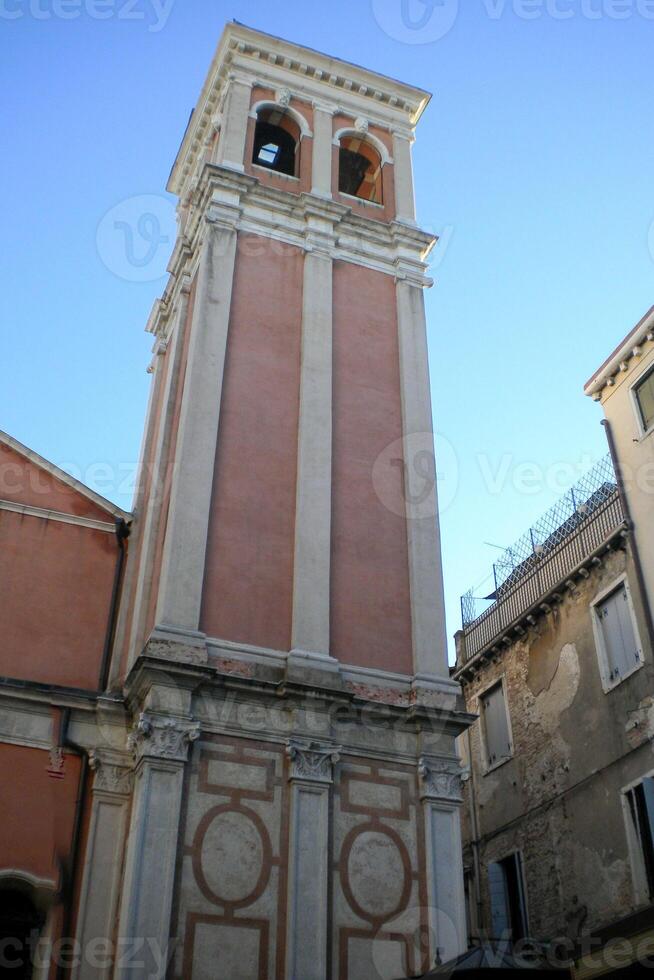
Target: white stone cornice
(311,761)
(162,737)
(440,779)
(253,57)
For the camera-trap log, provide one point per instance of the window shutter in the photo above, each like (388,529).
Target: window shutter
(496,727)
(499,898)
(645,396)
(618,633)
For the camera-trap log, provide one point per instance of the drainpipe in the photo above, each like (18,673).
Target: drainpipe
(474,826)
(73,863)
(638,568)
(122,533)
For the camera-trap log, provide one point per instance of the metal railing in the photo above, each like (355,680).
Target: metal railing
(567,535)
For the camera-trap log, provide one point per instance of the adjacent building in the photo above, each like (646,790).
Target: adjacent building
(557,663)
(246,716)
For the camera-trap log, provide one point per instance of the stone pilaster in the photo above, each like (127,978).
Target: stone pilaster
(160,745)
(102,873)
(423,533)
(403,176)
(182,572)
(310,776)
(440,793)
(231,142)
(321,175)
(311,575)
(150,518)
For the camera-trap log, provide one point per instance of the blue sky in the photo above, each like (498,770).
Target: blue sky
(534,162)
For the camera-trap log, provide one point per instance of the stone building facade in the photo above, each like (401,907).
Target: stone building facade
(266,771)
(558,822)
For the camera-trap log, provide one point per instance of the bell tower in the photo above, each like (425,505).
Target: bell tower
(282,635)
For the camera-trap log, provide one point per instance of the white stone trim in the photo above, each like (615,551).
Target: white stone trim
(305,129)
(151,518)
(312,556)
(310,75)
(423,533)
(183,565)
(365,137)
(27,510)
(62,476)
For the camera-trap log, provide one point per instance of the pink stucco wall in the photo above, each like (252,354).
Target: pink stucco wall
(371,615)
(249,571)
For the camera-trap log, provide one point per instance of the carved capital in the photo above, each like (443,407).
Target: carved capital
(440,780)
(159,737)
(112,774)
(284,97)
(312,761)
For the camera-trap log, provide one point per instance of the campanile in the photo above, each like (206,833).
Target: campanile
(281,642)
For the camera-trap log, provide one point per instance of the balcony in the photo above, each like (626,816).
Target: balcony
(542,563)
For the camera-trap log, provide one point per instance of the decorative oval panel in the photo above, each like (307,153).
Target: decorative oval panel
(377,879)
(232,854)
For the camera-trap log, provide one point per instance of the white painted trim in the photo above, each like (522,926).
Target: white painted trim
(600,647)
(486,767)
(27,510)
(623,353)
(62,476)
(366,137)
(642,431)
(305,129)
(638,875)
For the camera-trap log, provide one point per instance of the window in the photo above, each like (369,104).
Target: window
(495,722)
(644,394)
(360,169)
(640,816)
(276,142)
(507,895)
(615,634)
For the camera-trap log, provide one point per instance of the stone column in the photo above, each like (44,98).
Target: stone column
(231,143)
(423,533)
(321,177)
(308,860)
(314,464)
(182,572)
(440,792)
(405,205)
(150,515)
(103,867)
(160,744)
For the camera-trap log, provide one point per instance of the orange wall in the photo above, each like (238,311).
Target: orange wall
(371,615)
(54,602)
(22,481)
(37,815)
(249,573)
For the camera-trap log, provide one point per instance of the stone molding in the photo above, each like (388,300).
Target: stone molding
(440,780)
(161,737)
(311,761)
(113,774)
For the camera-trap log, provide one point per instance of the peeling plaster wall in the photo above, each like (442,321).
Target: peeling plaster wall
(558,799)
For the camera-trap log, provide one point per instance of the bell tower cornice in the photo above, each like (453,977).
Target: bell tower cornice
(252,58)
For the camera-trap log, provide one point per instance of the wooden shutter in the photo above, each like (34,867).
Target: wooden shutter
(496,725)
(499,899)
(618,633)
(645,396)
